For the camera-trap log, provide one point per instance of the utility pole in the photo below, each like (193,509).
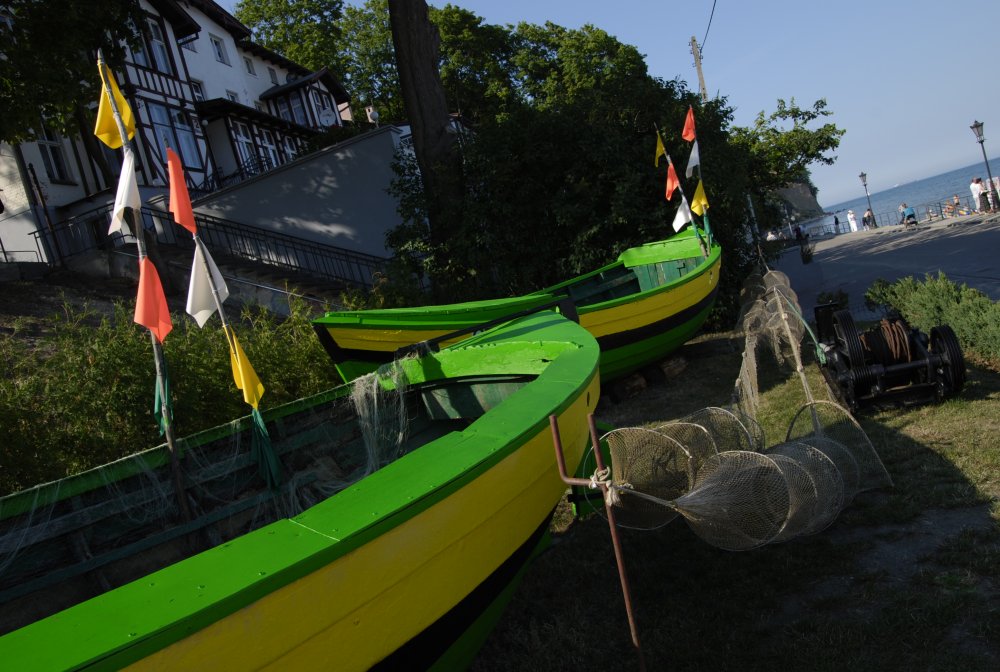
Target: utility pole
(696,52)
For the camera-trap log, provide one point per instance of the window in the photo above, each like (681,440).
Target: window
(283,109)
(273,75)
(233,96)
(219,48)
(298,112)
(244,142)
(197,90)
(51,146)
(269,150)
(322,102)
(290,150)
(260,106)
(249,65)
(191,44)
(174,127)
(158,47)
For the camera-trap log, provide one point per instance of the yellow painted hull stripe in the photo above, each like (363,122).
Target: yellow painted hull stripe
(360,608)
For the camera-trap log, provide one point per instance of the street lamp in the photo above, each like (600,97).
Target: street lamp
(977,128)
(864,183)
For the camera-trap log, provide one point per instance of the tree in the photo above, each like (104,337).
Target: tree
(782,155)
(366,60)
(416,44)
(48,62)
(305,31)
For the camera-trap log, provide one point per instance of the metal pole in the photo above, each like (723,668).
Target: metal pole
(991,189)
(568,480)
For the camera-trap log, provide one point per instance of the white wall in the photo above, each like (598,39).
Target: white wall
(336,196)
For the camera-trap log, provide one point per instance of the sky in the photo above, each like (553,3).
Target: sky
(905,80)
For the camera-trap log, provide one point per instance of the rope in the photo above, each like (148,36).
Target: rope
(889,343)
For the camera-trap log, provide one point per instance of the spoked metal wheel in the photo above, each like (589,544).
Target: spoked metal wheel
(944,342)
(849,341)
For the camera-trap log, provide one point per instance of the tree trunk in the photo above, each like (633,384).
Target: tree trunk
(416,42)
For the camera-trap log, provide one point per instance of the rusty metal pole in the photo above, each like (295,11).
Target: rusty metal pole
(616,543)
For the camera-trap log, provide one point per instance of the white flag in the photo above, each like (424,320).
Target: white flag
(128,196)
(683,215)
(693,160)
(204,275)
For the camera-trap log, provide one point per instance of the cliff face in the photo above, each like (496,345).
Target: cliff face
(801,201)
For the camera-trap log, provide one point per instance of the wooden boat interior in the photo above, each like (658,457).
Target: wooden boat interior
(64,542)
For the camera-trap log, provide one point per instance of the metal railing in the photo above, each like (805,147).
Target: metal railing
(932,211)
(225,238)
(219,180)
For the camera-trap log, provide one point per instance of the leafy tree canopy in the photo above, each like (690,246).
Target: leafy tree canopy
(305,31)
(782,146)
(48,59)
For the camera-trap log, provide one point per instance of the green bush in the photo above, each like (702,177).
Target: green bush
(82,394)
(974,318)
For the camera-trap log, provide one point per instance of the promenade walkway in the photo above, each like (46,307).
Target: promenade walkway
(966,249)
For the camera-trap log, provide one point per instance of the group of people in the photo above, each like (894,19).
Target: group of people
(867,221)
(984,195)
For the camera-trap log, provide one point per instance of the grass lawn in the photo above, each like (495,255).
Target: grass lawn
(906,578)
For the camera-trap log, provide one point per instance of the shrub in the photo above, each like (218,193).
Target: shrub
(82,394)
(974,318)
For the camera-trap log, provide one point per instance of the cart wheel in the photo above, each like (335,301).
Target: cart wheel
(944,342)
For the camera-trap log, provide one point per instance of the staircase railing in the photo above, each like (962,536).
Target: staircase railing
(88,231)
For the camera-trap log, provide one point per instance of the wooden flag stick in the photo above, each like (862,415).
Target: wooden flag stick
(130,220)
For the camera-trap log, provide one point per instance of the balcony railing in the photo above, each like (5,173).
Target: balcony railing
(224,238)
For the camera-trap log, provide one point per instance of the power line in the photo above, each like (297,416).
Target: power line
(709,25)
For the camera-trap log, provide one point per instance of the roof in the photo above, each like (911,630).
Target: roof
(323,75)
(217,108)
(180,21)
(213,11)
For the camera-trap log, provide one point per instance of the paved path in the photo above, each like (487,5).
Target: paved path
(966,249)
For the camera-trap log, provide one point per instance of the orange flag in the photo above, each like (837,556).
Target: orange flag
(672,181)
(151,305)
(180,200)
(688,132)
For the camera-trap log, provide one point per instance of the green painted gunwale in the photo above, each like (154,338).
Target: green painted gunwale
(135,620)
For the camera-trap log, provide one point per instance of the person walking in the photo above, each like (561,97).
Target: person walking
(853,221)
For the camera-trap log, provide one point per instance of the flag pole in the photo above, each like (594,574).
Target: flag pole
(161,386)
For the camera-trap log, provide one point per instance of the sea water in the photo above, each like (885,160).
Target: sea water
(933,192)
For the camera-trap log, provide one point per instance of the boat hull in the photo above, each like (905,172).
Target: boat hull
(654,316)
(409,563)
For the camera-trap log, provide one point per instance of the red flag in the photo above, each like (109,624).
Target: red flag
(180,201)
(672,181)
(151,305)
(688,133)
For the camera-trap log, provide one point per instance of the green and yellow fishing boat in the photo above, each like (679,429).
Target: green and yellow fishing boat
(394,537)
(641,307)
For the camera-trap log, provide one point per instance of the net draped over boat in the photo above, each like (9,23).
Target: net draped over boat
(714,469)
(120,521)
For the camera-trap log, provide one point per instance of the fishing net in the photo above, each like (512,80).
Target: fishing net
(738,501)
(647,462)
(73,539)
(726,428)
(741,494)
(821,422)
(379,399)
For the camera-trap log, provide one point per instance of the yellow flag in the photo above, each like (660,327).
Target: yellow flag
(243,374)
(660,150)
(699,203)
(106,128)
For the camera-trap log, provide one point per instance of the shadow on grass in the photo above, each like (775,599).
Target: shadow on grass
(906,578)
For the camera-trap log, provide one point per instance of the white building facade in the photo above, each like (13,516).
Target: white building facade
(230,108)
